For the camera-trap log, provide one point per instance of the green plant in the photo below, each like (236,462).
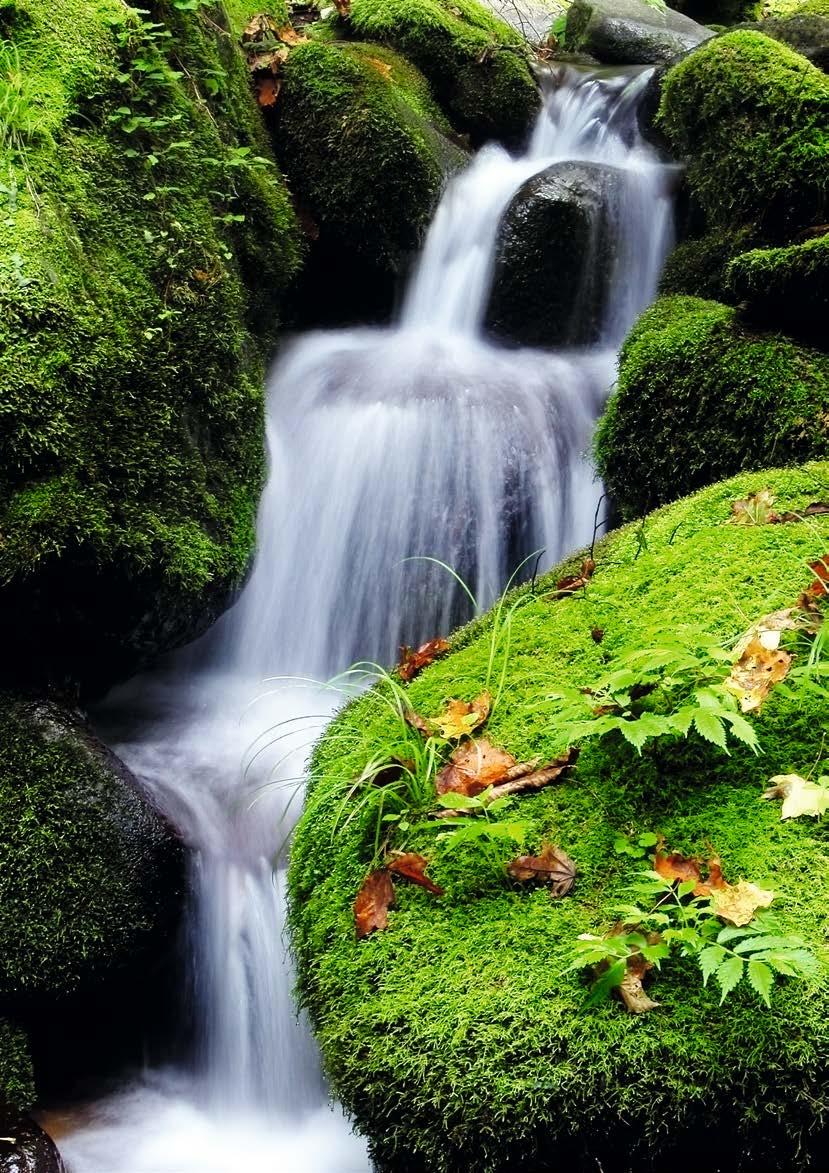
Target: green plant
(672,688)
(478,829)
(668,918)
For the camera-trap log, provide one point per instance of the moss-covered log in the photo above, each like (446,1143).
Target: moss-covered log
(458,1037)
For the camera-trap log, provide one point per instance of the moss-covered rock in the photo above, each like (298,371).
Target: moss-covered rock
(785,287)
(145,238)
(90,876)
(365,147)
(458,1037)
(477,65)
(806,31)
(751,118)
(719,12)
(698,265)
(548,287)
(701,397)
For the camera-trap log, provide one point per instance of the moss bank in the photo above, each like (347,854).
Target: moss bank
(457,1038)
(751,117)
(146,238)
(477,65)
(786,287)
(700,396)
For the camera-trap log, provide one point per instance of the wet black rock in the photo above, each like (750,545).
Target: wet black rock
(631,32)
(25,1147)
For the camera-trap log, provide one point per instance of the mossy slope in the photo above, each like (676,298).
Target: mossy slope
(144,251)
(457,1038)
(477,65)
(700,397)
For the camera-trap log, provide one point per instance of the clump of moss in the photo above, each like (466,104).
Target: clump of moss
(458,1038)
(364,145)
(697,266)
(786,287)
(477,65)
(146,237)
(90,877)
(17,1081)
(720,13)
(750,116)
(701,397)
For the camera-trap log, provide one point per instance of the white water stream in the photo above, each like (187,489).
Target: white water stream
(385,445)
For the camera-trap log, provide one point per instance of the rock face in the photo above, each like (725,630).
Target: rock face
(144,254)
(547,288)
(25,1147)
(477,65)
(630,32)
(90,876)
(458,1036)
(700,397)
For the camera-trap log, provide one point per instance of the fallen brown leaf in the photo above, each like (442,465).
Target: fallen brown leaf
(737,903)
(288,35)
(632,991)
(412,867)
(553,866)
(679,868)
(575,582)
(417,722)
(814,510)
(414,661)
(597,634)
(761,665)
(517,783)
(473,767)
(267,90)
(371,908)
(756,509)
(819,588)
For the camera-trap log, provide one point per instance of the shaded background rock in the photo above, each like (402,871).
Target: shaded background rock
(630,32)
(544,290)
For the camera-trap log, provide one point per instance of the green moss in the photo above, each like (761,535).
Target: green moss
(701,397)
(17,1082)
(364,145)
(720,13)
(785,286)
(88,873)
(751,116)
(458,1038)
(476,64)
(143,259)
(241,12)
(697,266)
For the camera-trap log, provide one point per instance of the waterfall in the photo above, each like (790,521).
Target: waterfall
(387,447)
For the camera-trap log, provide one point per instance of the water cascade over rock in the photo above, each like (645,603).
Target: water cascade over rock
(387,447)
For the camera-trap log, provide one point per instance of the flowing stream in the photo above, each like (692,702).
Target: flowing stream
(386,447)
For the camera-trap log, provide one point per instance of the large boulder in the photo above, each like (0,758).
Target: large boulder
(751,118)
(700,397)
(365,147)
(478,67)
(630,32)
(554,257)
(786,288)
(459,1037)
(804,28)
(91,877)
(146,239)
(25,1147)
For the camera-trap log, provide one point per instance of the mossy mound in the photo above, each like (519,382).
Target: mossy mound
(751,117)
(698,265)
(146,238)
(90,876)
(719,12)
(806,31)
(17,1081)
(699,397)
(477,65)
(458,1038)
(786,287)
(365,147)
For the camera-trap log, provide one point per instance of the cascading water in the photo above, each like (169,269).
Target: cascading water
(386,447)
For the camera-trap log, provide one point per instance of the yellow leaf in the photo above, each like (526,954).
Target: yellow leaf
(461,719)
(761,662)
(738,903)
(800,797)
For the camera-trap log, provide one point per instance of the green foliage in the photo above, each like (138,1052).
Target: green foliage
(478,830)
(458,1037)
(139,288)
(701,397)
(477,65)
(17,1083)
(750,116)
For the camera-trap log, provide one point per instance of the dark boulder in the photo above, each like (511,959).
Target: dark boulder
(630,32)
(25,1147)
(548,289)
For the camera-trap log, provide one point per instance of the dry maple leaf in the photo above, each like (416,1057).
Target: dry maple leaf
(288,35)
(527,777)
(553,866)
(462,718)
(473,767)
(414,661)
(754,509)
(575,582)
(631,990)
(800,797)
(737,903)
(371,908)
(412,866)
(260,28)
(681,869)
(761,662)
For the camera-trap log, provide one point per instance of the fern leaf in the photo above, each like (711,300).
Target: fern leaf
(711,727)
(728,975)
(761,980)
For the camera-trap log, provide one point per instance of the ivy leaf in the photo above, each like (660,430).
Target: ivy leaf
(761,979)
(728,975)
